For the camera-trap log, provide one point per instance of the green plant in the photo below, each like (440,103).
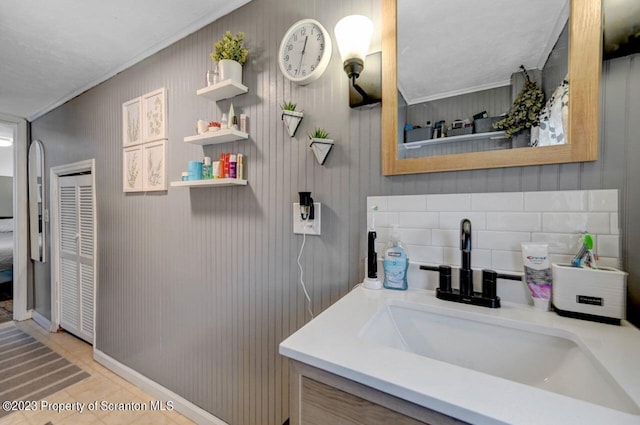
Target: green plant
(230,47)
(288,106)
(525,111)
(319,133)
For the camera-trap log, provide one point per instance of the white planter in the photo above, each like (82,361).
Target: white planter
(321,149)
(230,70)
(292,120)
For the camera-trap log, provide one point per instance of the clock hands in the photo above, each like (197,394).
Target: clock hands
(304,47)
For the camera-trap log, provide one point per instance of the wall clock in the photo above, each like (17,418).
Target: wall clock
(305,51)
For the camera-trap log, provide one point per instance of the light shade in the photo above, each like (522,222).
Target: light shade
(5,141)
(353,34)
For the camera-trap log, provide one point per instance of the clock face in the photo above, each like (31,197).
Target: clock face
(305,51)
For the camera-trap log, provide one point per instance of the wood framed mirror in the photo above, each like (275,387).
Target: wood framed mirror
(584,68)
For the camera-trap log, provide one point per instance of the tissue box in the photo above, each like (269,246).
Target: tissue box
(583,293)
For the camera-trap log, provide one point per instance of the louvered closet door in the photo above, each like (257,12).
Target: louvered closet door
(77,283)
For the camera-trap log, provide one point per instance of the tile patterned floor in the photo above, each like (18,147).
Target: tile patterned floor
(103,385)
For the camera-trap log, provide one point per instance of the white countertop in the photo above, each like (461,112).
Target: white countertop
(331,342)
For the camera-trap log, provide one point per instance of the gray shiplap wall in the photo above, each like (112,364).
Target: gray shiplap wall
(196,288)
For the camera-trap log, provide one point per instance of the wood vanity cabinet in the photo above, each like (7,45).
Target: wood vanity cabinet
(318,397)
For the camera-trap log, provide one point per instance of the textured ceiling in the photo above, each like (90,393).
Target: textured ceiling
(459,46)
(53,50)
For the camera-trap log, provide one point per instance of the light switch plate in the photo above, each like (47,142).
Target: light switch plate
(313,225)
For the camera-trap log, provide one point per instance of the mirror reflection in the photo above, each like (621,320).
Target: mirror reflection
(459,74)
(37,209)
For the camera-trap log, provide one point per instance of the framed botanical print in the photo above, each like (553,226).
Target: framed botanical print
(132,169)
(154,115)
(154,160)
(131,122)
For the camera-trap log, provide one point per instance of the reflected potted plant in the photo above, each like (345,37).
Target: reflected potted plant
(291,117)
(230,54)
(320,144)
(524,114)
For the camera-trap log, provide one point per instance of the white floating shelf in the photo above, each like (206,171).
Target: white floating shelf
(215,137)
(223,90)
(210,183)
(492,135)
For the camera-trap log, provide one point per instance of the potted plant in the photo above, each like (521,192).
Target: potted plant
(524,113)
(230,54)
(291,117)
(320,144)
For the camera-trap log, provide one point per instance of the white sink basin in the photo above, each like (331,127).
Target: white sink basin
(543,357)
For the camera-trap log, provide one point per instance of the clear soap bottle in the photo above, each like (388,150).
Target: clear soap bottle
(395,261)
(207,169)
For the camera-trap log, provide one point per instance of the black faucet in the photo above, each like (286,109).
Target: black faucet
(488,297)
(466,274)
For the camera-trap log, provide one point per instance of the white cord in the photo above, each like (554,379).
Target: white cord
(304,288)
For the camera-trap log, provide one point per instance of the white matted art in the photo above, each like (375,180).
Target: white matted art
(131,122)
(132,169)
(154,160)
(154,115)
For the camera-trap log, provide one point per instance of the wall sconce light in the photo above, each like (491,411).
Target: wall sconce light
(353,34)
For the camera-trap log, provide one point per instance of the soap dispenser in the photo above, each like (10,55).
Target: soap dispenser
(395,262)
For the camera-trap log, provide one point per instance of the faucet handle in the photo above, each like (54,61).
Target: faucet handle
(489,279)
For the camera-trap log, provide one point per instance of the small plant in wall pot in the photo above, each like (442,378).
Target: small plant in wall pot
(291,117)
(320,144)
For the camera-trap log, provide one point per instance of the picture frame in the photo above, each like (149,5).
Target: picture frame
(154,115)
(154,160)
(132,169)
(131,122)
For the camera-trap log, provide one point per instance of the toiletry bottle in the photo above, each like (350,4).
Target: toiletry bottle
(216,169)
(227,163)
(232,166)
(207,170)
(240,167)
(232,115)
(221,170)
(395,262)
(224,122)
(243,123)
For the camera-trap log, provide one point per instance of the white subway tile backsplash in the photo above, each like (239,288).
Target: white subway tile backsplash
(559,243)
(603,200)
(425,254)
(429,225)
(507,260)
(609,262)
(419,220)
(614,224)
(608,245)
(573,200)
(415,236)
(508,241)
(451,202)
(383,219)
(447,237)
(451,220)
(379,201)
(575,222)
(409,203)
(508,201)
(514,221)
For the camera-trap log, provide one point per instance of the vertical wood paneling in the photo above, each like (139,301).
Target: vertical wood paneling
(196,288)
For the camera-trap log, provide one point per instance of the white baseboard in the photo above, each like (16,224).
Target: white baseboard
(41,320)
(181,405)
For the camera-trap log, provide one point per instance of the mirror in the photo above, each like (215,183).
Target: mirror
(37,206)
(582,134)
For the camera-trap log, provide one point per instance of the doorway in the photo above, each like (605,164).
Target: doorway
(73,248)
(13,219)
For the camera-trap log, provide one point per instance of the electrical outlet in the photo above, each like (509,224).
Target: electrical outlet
(313,226)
